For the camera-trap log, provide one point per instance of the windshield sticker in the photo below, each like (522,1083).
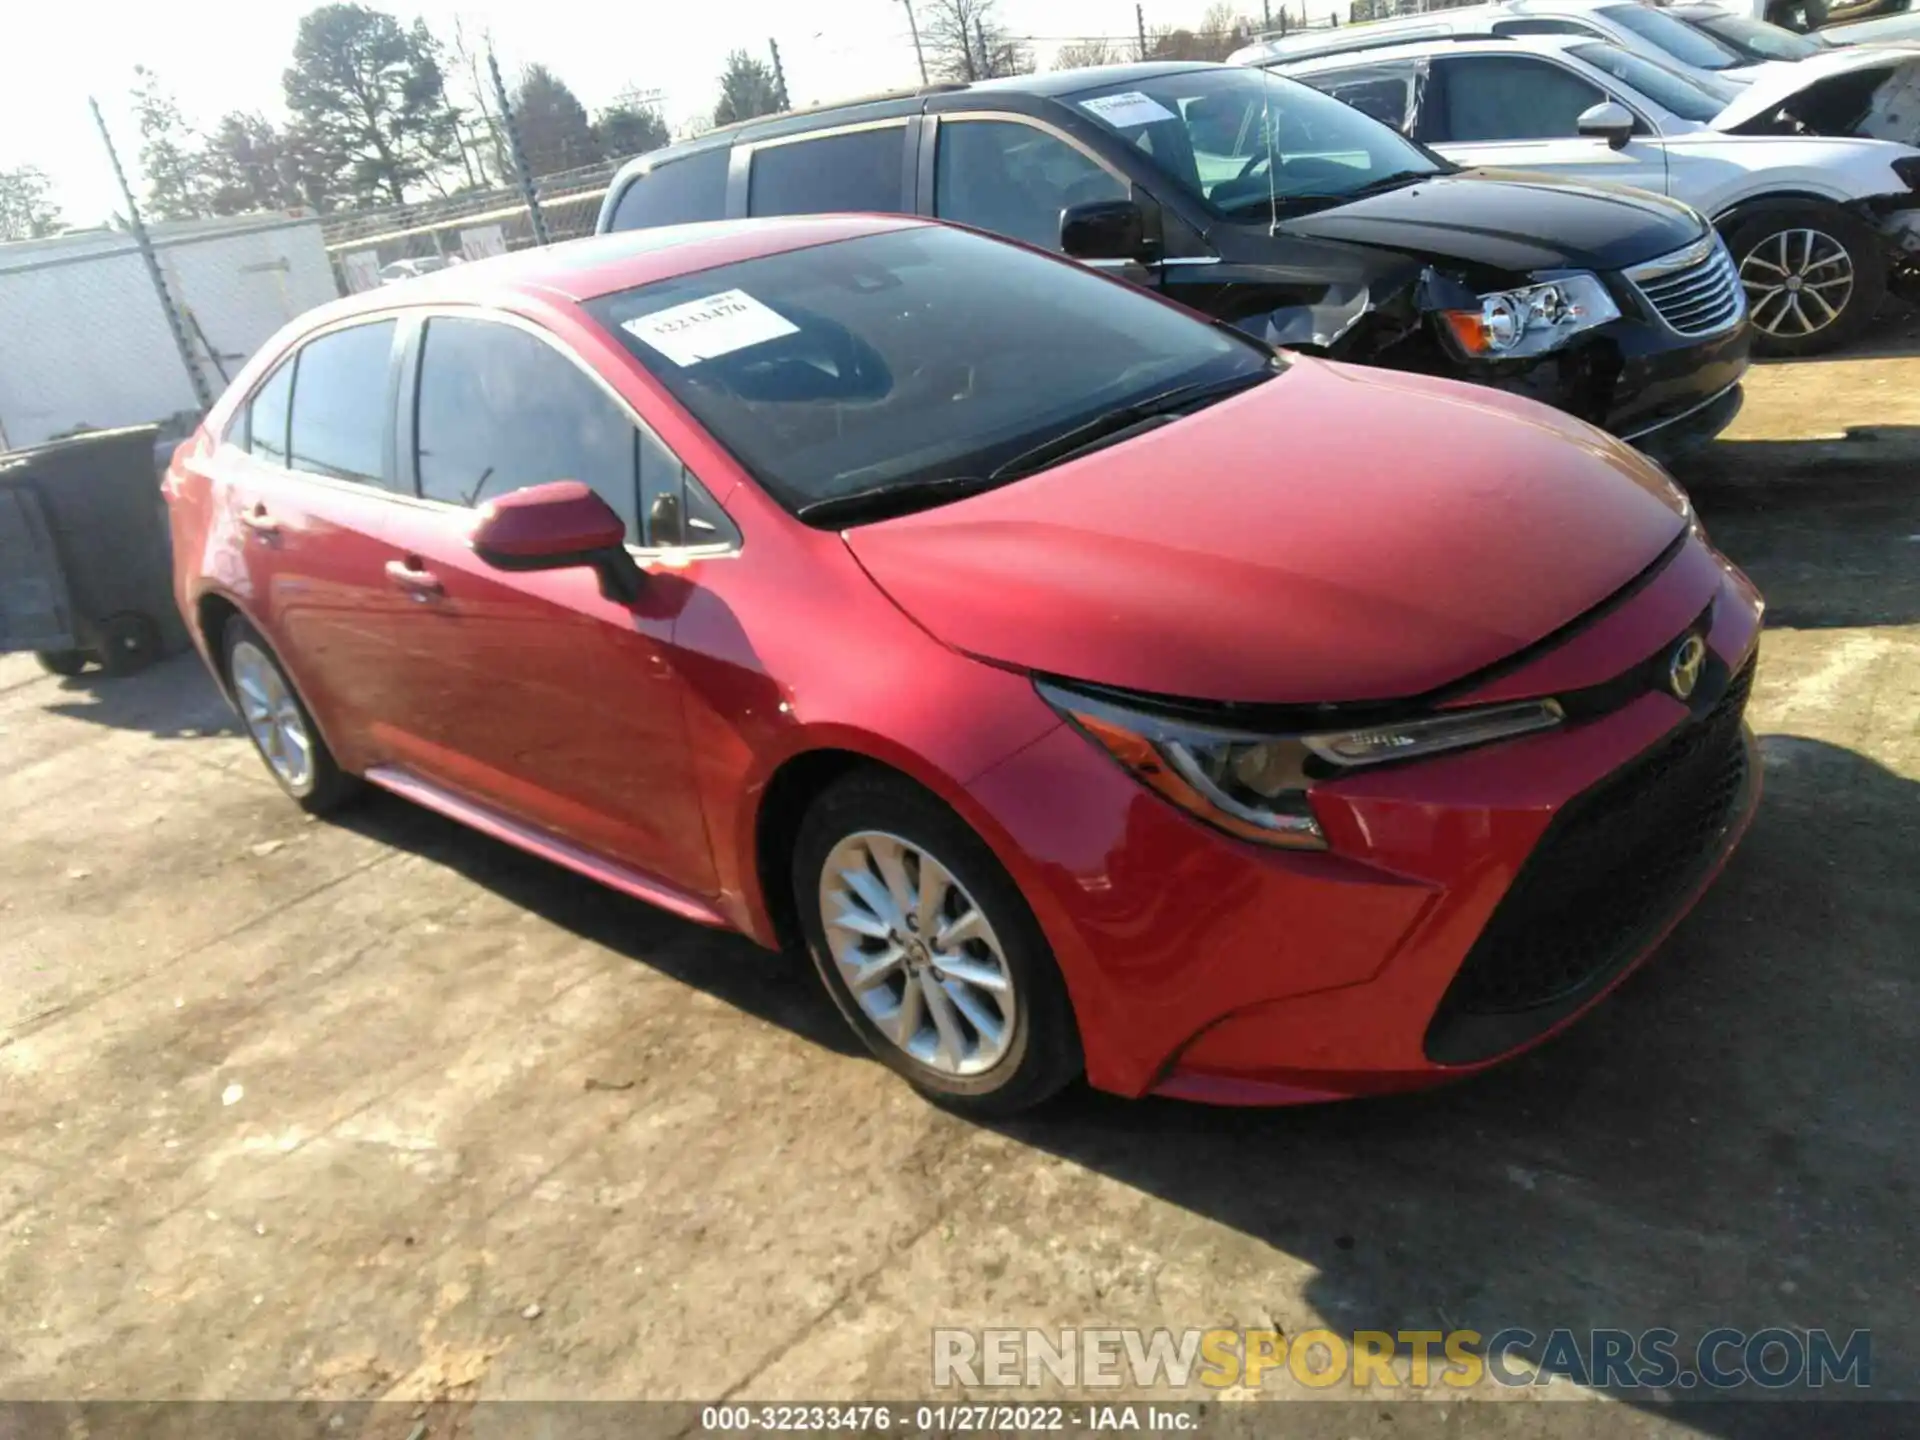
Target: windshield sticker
(708,328)
(1131,108)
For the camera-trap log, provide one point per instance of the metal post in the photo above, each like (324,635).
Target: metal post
(201,391)
(1140,22)
(918,53)
(525,177)
(779,77)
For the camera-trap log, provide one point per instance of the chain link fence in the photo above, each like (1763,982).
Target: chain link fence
(372,247)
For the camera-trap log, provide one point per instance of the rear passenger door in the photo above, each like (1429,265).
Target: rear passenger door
(540,695)
(1522,112)
(859,167)
(310,481)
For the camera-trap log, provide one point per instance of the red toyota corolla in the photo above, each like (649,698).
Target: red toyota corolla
(1088,686)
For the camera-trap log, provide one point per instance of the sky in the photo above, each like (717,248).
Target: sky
(223,55)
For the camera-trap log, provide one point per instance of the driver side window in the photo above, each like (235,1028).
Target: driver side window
(1510,97)
(1014,179)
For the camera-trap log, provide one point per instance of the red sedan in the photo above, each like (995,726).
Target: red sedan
(1090,688)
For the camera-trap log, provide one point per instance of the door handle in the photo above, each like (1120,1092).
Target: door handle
(261,523)
(411,576)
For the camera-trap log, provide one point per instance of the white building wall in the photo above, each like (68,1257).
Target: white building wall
(83,340)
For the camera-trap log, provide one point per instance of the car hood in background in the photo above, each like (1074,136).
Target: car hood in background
(1893,115)
(1511,221)
(1335,534)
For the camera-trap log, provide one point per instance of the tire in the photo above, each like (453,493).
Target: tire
(129,643)
(272,713)
(62,662)
(1786,235)
(874,823)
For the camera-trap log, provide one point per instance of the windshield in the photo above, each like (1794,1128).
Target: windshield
(1682,95)
(1757,40)
(1681,41)
(908,356)
(1239,138)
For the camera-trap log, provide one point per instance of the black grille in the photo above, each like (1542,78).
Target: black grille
(1606,876)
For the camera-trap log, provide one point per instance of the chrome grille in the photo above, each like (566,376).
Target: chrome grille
(1696,290)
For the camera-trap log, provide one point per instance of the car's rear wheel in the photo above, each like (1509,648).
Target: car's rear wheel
(278,723)
(129,643)
(929,949)
(1813,274)
(61,662)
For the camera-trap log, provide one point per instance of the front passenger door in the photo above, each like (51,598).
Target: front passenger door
(540,695)
(1519,112)
(1014,178)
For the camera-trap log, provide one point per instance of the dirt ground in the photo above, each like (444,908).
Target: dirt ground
(385,1109)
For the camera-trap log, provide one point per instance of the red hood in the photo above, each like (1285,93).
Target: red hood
(1335,534)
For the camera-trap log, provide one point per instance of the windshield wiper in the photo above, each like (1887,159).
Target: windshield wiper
(897,497)
(1118,424)
(1318,200)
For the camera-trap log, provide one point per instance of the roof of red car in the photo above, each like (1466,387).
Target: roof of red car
(600,264)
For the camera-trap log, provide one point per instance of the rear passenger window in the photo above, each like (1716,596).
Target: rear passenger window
(1509,97)
(340,404)
(1384,92)
(1544,27)
(1014,179)
(676,193)
(266,432)
(500,409)
(858,170)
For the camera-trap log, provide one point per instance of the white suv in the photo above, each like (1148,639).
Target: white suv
(1818,225)
(1626,23)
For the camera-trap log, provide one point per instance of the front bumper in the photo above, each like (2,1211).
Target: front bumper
(1205,967)
(1637,379)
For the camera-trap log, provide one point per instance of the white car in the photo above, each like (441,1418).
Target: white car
(1818,225)
(1629,24)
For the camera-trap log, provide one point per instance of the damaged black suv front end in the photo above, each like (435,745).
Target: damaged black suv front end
(1313,226)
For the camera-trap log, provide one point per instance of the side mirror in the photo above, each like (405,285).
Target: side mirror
(1609,121)
(556,527)
(1104,230)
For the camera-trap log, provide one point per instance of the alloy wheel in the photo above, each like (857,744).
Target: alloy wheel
(917,953)
(1797,282)
(272,716)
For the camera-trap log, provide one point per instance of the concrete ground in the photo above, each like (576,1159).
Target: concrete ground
(384,1109)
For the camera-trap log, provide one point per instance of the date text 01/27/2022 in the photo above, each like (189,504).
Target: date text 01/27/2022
(949,1419)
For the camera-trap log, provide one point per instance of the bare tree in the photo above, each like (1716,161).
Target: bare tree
(1079,54)
(27,211)
(965,40)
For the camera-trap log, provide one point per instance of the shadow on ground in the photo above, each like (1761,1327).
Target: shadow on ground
(173,700)
(1730,1140)
(1894,334)
(1828,547)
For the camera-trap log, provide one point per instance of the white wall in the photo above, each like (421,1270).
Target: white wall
(83,340)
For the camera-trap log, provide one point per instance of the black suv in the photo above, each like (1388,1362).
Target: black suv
(1263,203)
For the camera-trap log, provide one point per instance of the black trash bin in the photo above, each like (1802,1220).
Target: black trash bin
(86,563)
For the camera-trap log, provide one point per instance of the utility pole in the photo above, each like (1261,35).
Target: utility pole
(201,391)
(1266,14)
(536,220)
(986,60)
(1140,21)
(918,53)
(779,76)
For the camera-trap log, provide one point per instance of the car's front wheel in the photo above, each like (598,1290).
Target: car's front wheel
(929,949)
(279,725)
(1814,276)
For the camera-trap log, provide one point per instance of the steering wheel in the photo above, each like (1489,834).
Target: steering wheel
(1253,163)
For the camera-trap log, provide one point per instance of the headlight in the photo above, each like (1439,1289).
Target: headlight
(1255,786)
(1513,324)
